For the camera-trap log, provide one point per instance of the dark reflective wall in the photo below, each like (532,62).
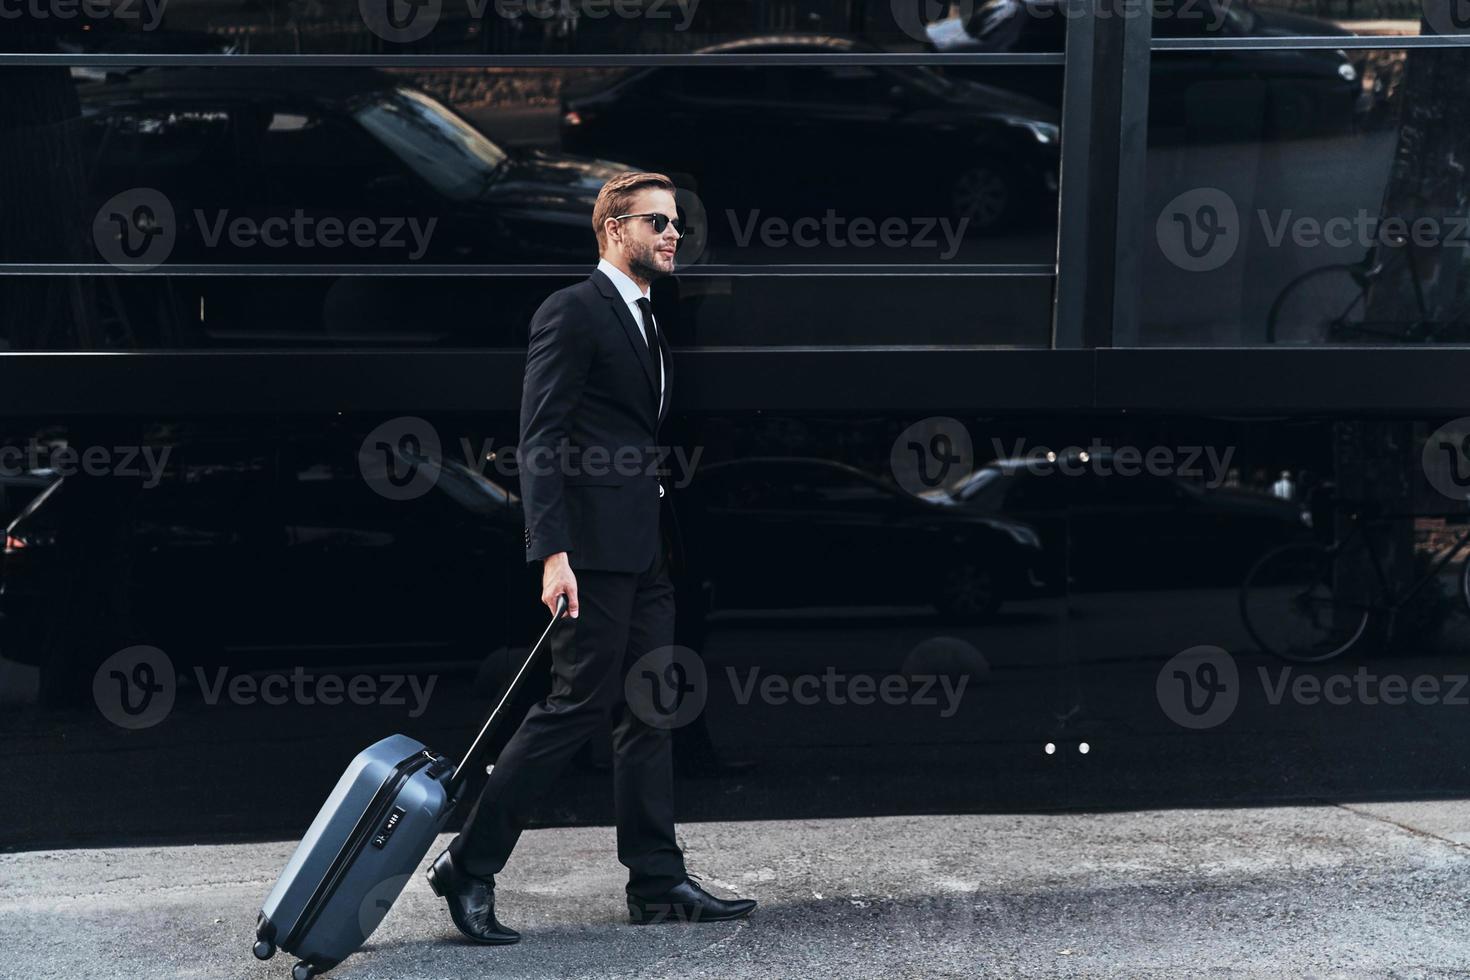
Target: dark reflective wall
(1217,610)
(1303,198)
(389,175)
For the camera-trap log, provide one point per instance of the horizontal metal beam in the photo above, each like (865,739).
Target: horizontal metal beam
(610,60)
(1356,42)
(1339,381)
(412,270)
(1259,381)
(786,380)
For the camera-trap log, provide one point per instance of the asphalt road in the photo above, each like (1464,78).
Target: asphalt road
(1324,891)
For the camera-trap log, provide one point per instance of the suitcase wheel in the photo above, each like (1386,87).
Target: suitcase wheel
(263,949)
(303,971)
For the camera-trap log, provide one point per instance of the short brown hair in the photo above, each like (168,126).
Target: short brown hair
(616,197)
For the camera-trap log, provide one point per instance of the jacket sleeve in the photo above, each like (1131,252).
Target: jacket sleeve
(558,358)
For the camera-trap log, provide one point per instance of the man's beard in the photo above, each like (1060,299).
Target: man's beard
(642,267)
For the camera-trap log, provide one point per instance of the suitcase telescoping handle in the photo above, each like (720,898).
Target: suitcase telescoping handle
(475,756)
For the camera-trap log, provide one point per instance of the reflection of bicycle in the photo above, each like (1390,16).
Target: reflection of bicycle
(1331,304)
(1295,605)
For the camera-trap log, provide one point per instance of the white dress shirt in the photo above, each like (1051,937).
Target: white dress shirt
(631,294)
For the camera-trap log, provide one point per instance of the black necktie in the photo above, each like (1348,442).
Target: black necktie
(655,345)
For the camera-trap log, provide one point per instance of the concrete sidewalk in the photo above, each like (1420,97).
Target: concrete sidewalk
(1360,890)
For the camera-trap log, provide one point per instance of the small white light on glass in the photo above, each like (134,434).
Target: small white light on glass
(1051,748)
(1083,747)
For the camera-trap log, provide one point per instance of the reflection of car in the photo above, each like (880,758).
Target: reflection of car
(786,532)
(866,141)
(18,489)
(338,143)
(254,552)
(107,36)
(1144,529)
(355,147)
(1215,94)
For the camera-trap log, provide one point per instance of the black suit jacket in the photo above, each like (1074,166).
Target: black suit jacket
(588,397)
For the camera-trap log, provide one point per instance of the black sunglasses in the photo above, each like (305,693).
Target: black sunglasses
(659,219)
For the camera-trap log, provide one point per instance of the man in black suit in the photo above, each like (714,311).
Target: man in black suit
(599,379)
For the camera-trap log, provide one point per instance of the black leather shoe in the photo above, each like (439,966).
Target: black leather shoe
(686,902)
(471,902)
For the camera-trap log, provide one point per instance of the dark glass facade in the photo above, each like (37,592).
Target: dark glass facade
(1069,408)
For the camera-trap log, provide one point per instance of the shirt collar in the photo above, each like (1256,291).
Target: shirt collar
(627,288)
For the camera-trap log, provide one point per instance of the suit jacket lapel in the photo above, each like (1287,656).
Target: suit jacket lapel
(630,328)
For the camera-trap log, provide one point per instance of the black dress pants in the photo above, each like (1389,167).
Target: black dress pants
(621,617)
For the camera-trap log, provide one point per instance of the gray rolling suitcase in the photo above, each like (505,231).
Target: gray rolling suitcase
(366,842)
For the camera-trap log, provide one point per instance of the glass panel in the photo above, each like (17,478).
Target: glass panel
(910,656)
(1220,611)
(503,27)
(1266,611)
(1307,197)
(776,165)
(1229,20)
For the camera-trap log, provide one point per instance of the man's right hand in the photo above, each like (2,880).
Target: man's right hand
(556,578)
